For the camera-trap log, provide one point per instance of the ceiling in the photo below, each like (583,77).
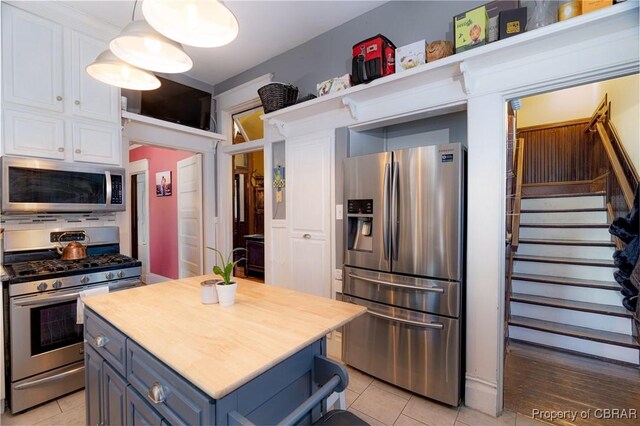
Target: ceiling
(267,29)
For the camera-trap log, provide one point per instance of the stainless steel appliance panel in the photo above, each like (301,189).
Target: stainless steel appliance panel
(34,185)
(426,211)
(44,333)
(420,294)
(367,177)
(44,387)
(412,350)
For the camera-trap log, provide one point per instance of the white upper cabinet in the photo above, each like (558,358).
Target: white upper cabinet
(33,135)
(52,107)
(90,98)
(96,143)
(32,52)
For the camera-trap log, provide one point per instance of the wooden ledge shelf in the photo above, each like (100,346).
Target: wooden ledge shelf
(467,67)
(133,117)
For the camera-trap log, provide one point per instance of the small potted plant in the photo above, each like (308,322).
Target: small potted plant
(226,288)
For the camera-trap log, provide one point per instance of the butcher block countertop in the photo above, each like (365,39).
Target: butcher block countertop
(217,348)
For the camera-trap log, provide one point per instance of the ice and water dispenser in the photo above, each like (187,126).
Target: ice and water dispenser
(360,225)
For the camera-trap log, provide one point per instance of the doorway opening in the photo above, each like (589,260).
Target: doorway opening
(248,196)
(166,212)
(139,215)
(571,326)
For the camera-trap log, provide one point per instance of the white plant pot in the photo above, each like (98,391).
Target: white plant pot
(227,293)
(208,293)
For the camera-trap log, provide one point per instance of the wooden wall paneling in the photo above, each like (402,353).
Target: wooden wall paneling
(557,154)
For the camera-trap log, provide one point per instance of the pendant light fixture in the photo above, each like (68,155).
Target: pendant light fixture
(109,69)
(140,45)
(200,23)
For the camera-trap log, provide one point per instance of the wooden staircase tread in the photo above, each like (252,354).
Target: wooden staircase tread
(594,308)
(564,225)
(566,210)
(565,260)
(576,282)
(585,333)
(563,195)
(568,242)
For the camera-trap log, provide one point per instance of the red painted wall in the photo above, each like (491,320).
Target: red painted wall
(163,211)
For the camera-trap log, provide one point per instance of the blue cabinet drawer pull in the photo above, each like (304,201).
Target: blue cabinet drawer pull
(157,393)
(101,341)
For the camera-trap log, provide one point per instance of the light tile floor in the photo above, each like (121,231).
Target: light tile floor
(67,410)
(380,403)
(375,401)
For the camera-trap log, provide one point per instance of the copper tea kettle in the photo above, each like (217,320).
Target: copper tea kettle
(74,250)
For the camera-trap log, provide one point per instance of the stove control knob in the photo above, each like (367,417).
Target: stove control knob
(57,284)
(109,275)
(121,274)
(42,286)
(84,280)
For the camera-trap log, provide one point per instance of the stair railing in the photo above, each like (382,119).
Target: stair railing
(519,172)
(622,177)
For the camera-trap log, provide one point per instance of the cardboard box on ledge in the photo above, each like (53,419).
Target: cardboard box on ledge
(591,5)
(470,29)
(411,55)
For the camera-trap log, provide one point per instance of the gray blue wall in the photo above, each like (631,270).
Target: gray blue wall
(329,54)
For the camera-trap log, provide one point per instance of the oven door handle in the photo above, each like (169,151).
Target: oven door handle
(45,380)
(46,300)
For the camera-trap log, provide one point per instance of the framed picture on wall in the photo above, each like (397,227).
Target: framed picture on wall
(163,184)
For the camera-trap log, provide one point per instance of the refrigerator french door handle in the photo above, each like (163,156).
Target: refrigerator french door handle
(385,211)
(394,210)
(412,287)
(434,325)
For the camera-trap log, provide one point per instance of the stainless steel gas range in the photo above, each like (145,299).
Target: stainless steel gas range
(43,339)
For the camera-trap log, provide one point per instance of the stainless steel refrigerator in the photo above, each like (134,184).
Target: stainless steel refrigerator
(404,261)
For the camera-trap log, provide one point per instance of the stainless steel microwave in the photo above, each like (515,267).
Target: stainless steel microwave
(32,185)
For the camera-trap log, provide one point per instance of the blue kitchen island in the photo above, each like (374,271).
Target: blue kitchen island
(156,355)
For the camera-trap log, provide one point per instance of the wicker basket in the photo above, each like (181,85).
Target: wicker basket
(275,96)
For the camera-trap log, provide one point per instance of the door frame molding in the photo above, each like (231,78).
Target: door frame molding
(238,99)
(140,167)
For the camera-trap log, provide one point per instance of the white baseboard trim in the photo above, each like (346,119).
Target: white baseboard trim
(155,278)
(481,395)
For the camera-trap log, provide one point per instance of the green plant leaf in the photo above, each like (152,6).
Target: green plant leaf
(225,268)
(217,270)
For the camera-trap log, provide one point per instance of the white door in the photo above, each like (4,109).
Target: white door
(189,190)
(34,135)
(96,144)
(91,98)
(142,219)
(31,60)
(308,168)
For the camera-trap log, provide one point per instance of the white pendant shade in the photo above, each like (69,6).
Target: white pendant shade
(140,45)
(201,23)
(111,70)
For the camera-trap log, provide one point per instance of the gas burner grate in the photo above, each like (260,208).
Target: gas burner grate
(39,268)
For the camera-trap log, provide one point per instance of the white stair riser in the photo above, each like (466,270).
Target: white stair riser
(568,292)
(583,234)
(571,317)
(574,344)
(575,252)
(557,203)
(564,217)
(564,270)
